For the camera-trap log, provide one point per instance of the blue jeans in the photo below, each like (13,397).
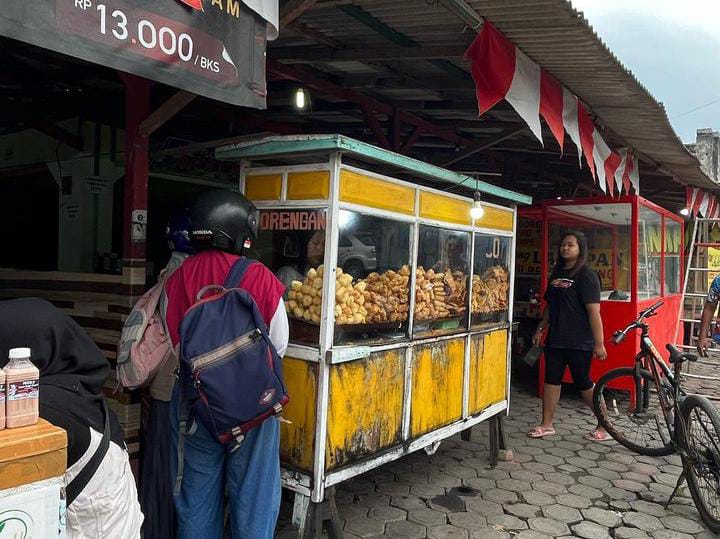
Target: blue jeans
(250,475)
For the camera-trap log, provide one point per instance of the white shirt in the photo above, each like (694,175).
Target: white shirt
(108,507)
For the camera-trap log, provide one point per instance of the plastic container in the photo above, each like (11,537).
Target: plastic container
(23,389)
(2,399)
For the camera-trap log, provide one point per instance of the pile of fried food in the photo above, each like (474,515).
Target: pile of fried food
(490,291)
(381,297)
(384,297)
(439,294)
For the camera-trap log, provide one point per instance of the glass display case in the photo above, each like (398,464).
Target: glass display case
(634,247)
(490,290)
(441,281)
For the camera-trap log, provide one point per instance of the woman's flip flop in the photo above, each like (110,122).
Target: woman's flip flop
(541,432)
(597,435)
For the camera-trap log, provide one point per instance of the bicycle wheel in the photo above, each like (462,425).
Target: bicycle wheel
(702,463)
(632,413)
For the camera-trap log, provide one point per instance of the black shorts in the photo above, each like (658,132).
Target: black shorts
(556,359)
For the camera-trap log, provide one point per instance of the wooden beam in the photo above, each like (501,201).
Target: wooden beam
(484,145)
(387,53)
(293,10)
(165,112)
(377,129)
(411,140)
(313,34)
(396,127)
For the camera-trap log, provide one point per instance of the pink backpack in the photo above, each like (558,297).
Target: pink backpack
(145,345)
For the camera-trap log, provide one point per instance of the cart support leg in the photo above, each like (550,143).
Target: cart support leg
(498,444)
(310,517)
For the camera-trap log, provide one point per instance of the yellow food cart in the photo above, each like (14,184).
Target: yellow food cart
(399,302)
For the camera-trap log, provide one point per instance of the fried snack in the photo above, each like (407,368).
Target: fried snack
(490,291)
(439,294)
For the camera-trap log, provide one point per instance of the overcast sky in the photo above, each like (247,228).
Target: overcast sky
(672,47)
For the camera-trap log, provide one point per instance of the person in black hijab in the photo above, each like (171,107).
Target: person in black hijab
(103,499)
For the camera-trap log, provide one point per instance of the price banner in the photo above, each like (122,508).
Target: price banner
(214,48)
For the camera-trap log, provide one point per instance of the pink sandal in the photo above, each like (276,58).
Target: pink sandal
(541,432)
(597,435)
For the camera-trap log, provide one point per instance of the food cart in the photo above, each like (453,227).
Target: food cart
(399,304)
(636,248)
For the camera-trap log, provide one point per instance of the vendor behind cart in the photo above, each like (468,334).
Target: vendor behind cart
(314,255)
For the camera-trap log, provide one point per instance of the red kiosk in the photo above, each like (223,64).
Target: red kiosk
(635,246)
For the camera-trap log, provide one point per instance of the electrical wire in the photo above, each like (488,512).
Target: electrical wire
(697,108)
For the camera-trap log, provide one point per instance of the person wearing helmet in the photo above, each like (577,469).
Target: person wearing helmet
(223,223)
(156,486)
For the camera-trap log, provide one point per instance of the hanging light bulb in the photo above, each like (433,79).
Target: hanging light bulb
(300,99)
(684,212)
(477,211)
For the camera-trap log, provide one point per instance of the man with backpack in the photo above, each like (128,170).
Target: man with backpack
(226,318)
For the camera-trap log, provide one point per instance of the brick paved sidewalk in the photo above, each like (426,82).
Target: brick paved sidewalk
(558,486)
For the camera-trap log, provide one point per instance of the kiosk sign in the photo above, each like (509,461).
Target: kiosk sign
(217,51)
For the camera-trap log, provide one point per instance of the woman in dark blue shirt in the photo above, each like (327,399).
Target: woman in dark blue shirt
(575,332)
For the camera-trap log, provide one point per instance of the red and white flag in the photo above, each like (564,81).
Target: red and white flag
(587,129)
(552,105)
(570,120)
(704,204)
(502,71)
(691,194)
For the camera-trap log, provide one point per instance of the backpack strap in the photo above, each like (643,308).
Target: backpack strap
(237,272)
(80,481)
(184,412)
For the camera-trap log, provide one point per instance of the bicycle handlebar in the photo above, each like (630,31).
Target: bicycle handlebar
(619,336)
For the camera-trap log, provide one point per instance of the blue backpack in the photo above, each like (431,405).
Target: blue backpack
(230,374)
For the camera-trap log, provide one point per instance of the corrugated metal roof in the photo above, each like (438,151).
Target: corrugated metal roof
(590,70)
(551,32)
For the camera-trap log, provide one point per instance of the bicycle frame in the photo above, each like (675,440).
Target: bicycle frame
(649,358)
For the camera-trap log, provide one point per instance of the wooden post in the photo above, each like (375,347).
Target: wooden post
(137,109)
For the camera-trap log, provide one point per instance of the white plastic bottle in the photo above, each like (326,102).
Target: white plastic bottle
(23,389)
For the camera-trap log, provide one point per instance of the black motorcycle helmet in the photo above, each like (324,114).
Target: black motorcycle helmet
(223,219)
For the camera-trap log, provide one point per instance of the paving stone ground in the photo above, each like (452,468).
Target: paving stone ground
(559,486)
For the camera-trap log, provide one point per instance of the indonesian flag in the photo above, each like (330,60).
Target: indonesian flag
(502,71)
(587,128)
(552,105)
(570,121)
(691,194)
(712,205)
(704,204)
(627,172)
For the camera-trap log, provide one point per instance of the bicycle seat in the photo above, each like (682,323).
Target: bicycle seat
(676,356)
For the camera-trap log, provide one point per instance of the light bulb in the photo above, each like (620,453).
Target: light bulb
(684,212)
(477,211)
(300,100)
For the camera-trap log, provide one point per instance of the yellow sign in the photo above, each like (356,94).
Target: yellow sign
(713,264)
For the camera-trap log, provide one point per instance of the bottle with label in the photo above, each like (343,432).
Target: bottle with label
(23,389)
(2,399)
